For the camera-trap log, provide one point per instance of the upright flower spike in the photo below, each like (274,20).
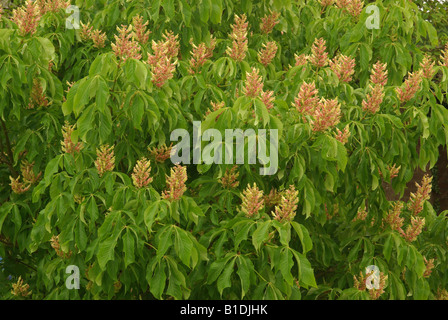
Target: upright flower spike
(319,57)
(268,22)
(300,60)
(86,31)
(342,4)
(307,99)
(326,115)
(200,54)
(393,217)
(344,67)
(267,53)
(125,47)
(254,84)
(141,32)
(98,38)
(20,289)
(374,99)
(105,160)
(422,194)
(286,210)
(411,86)
(379,74)
(393,171)
(161,153)
(27,17)
(342,136)
(239,39)
(273,198)
(429,264)
(230,178)
(17,186)
(141,175)
(414,229)
(268,99)
(68,146)
(427,66)
(354,7)
(215,107)
(444,57)
(28,174)
(361,214)
(52,5)
(253,200)
(361,284)
(37,98)
(326,3)
(175,183)
(54,241)
(161,61)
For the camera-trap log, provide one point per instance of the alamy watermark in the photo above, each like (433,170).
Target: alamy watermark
(373,21)
(72,281)
(257,147)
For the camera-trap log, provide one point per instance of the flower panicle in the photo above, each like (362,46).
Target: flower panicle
(68,146)
(161,153)
(326,3)
(411,86)
(125,47)
(343,136)
(427,66)
(319,57)
(254,84)
(253,200)
(37,97)
(162,61)
(105,160)
(27,17)
(141,32)
(429,266)
(54,241)
(444,57)
(268,22)
(378,74)
(267,53)
(141,175)
(200,54)
(374,98)
(393,216)
(230,178)
(414,229)
(267,97)
(343,66)
(307,99)
(20,289)
(175,183)
(99,38)
(300,60)
(239,47)
(422,194)
(86,31)
(286,210)
(326,115)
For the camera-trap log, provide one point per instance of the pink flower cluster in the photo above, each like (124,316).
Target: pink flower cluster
(239,39)
(319,57)
(326,115)
(268,22)
(140,31)
(378,80)
(27,17)
(253,200)
(267,53)
(141,175)
(175,183)
(254,88)
(125,47)
(286,210)
(200,54)
(105,160)
(344,67)
(162,61)
(411,86)
(68,146)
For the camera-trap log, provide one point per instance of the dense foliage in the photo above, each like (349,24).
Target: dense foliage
(86,178)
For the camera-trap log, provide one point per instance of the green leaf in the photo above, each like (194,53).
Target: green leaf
(260,234)
(128,248)
(285,264)
(183,245)
(224,278)
(306,273)
(216,11)
(245,269)
(106,250)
